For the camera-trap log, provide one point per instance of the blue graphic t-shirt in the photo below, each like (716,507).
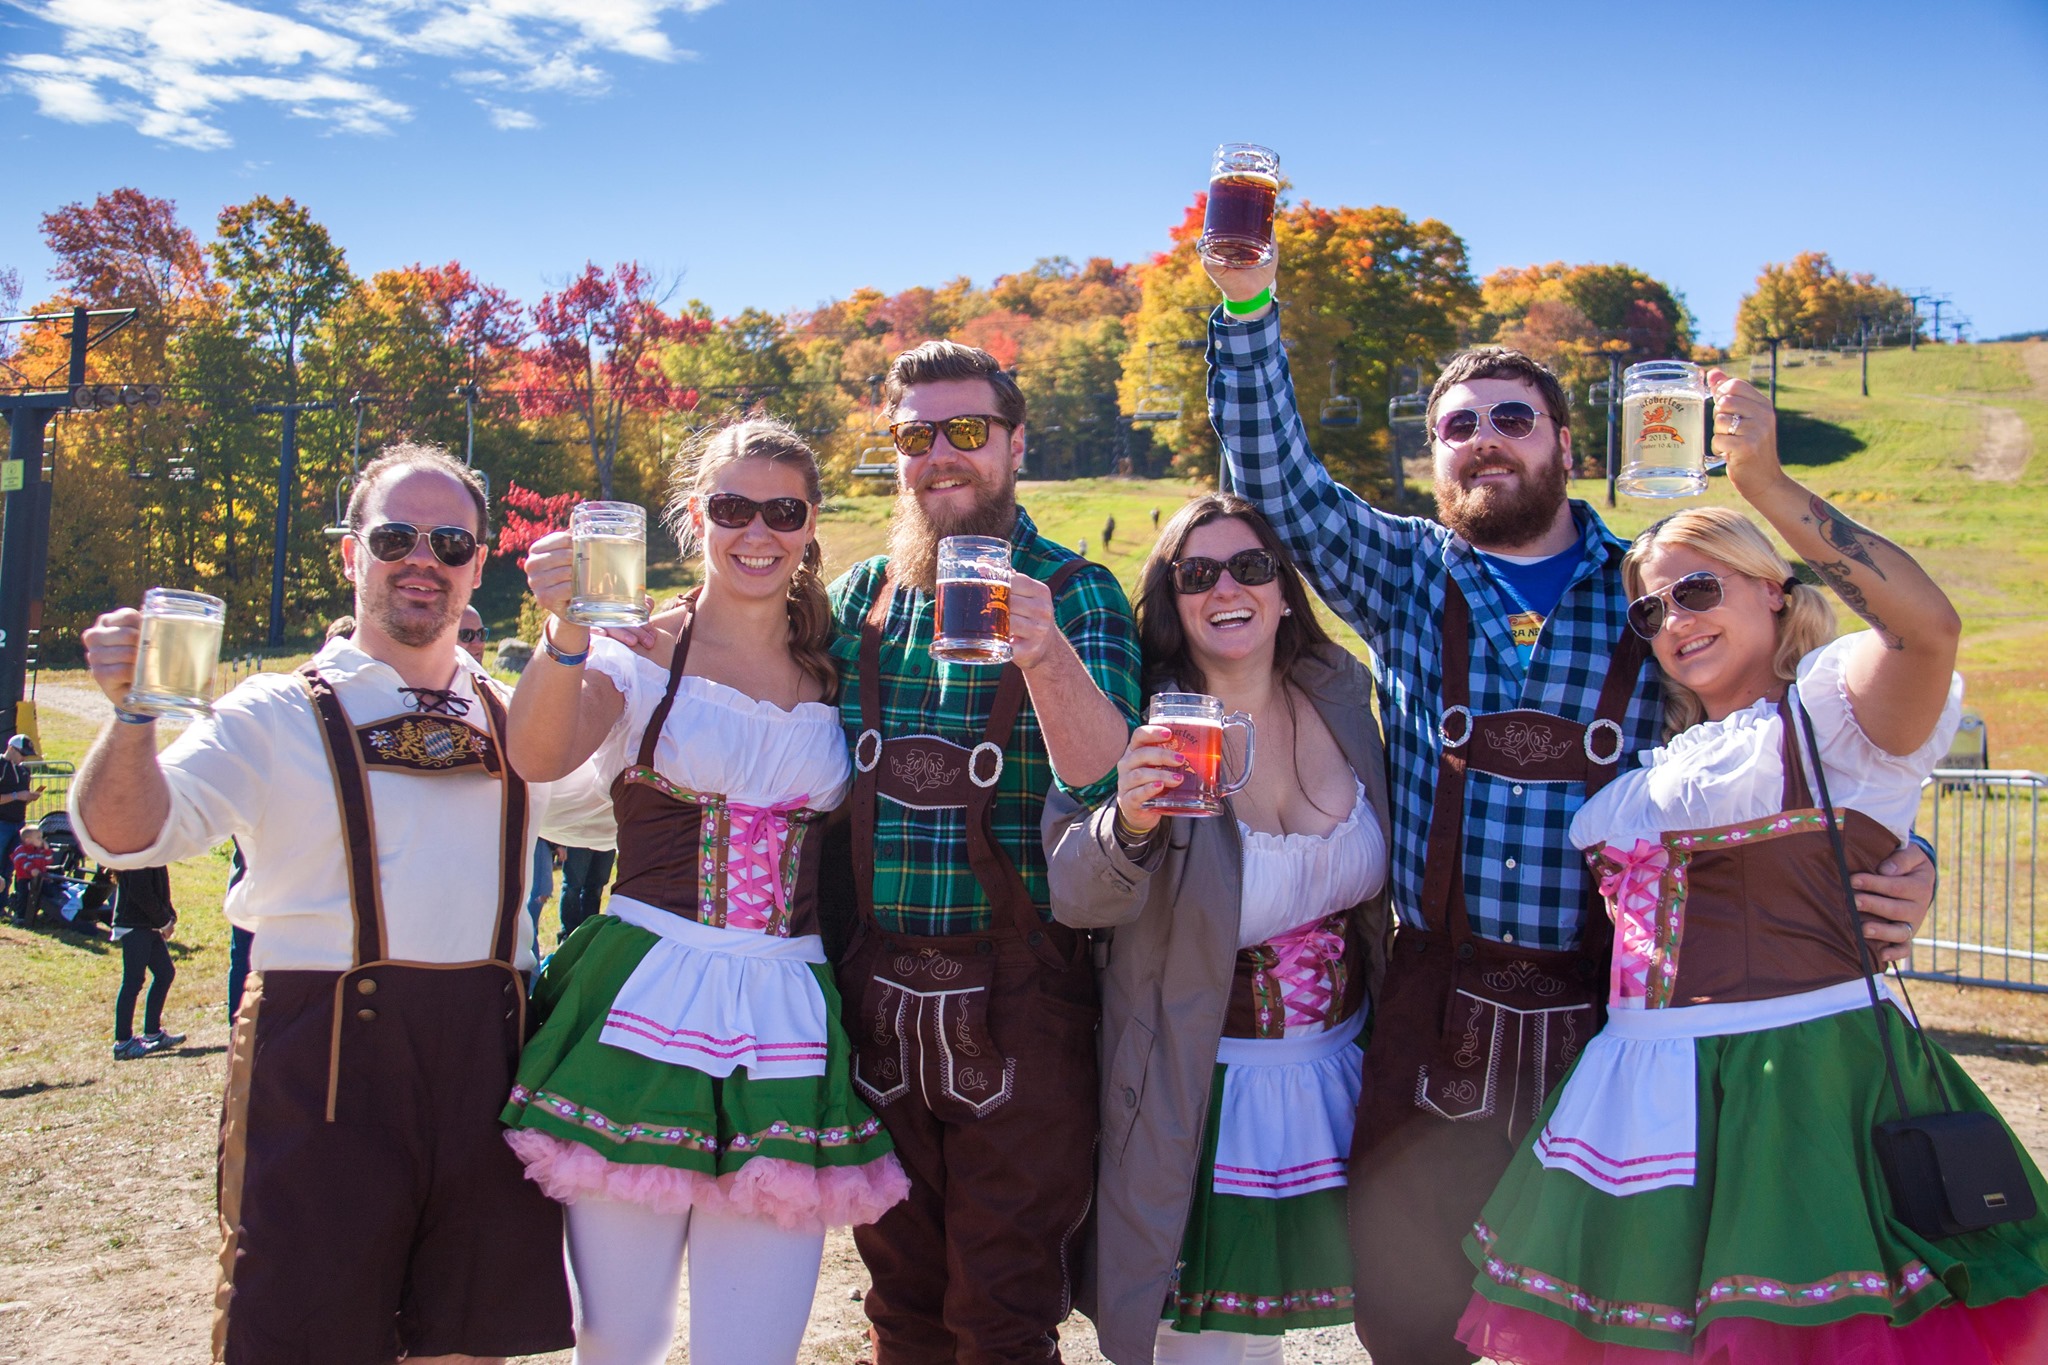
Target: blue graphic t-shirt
(1535,586)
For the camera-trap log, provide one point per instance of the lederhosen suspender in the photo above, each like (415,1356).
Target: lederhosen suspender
(345,760)
(913,766)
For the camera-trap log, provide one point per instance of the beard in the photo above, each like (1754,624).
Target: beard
(1510,516)
(409,623)
(914,534)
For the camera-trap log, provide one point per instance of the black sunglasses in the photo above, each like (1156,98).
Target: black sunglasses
(965,433)
(394,540)
(1513,419)
(474,636)
(1250,568)
(736,513)
(1696,592)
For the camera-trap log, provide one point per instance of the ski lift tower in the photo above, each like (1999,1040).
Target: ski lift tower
(877,458)
(30,401)
(1606,393)
(1406,412)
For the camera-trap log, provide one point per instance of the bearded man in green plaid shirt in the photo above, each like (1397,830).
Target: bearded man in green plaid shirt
(973,1012)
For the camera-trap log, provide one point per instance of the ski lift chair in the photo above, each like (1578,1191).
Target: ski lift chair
(1157,402)
(1339,410)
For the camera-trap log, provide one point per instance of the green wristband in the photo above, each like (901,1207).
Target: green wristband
(1249,306)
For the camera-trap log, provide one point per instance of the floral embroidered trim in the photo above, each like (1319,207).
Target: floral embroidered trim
(1913,1278)
(1234,1304)
(692,1138)
(1786,822)
(714,841)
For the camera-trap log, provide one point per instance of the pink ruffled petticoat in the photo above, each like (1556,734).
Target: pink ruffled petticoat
(2009,1332)
(788,1193)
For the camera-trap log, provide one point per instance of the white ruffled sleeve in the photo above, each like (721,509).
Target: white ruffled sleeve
(1824,687)
(640,683)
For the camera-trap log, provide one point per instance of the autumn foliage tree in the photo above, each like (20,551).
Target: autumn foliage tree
(1808,302)
(595,359)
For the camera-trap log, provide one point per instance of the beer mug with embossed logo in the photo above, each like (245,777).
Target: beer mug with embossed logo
(1198,722)
(1664,430)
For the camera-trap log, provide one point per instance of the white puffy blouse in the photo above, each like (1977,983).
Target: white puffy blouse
(1731,771)
(1296,879)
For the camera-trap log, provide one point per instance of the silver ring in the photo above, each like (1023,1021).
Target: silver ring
(1734,422)
(1619,739)
(1443,727)
(867,765)
(988,747)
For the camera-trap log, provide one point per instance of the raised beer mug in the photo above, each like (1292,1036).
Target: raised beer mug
(610,541)
(1244,186)
(1198,722)
(973,624)
(1664,438)
(177,654)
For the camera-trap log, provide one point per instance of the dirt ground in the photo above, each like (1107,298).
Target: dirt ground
(106,1172)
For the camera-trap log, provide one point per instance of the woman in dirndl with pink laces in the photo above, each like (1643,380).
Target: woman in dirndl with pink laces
(689,1086)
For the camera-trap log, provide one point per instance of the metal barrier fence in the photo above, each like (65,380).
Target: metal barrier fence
(1983,929)
(54,777)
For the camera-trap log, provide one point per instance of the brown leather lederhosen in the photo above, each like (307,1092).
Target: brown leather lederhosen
(1474,1028)
(1763,910)
(670,840)
(369,1204)
(978,1053)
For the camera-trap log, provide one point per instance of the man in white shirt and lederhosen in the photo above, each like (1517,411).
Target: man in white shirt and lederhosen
(370,1209)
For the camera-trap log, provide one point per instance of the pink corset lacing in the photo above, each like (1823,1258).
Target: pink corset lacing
(1302,954)
(755,841)
(1631,889)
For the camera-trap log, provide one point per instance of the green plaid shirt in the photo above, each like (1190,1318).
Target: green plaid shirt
(923,884)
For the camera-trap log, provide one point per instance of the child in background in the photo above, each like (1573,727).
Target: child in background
(31,862)
(143,914)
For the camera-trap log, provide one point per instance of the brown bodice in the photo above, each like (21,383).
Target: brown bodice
(1319,970)
(675,844)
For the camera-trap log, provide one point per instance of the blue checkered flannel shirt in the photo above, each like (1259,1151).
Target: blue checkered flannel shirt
(1384,575)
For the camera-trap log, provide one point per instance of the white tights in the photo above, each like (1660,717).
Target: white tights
(751,1285)
(1215,1348)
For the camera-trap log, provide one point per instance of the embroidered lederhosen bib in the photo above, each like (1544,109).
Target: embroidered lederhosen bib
(676,845)
(1473,1028)
(428,745)
(923,1011)
(1750,911)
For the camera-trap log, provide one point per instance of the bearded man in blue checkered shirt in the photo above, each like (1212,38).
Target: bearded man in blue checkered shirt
(1510,687)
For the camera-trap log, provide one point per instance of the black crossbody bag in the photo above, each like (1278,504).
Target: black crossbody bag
(1948,1173)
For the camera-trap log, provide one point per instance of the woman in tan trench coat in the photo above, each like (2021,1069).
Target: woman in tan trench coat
(1245,954)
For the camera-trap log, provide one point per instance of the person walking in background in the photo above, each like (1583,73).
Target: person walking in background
(540,886)
(585,874)
(1247,952)
(1108,530)
(143,920)
(239,939)
(17,794)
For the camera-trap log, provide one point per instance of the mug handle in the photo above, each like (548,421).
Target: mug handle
(1250,744)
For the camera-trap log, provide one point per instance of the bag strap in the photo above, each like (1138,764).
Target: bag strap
(1827,805)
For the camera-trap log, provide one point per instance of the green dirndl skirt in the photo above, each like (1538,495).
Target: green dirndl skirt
(1785,1224)
(594,1120)
(1262,1265)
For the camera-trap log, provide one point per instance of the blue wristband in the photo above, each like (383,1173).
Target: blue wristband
(133,717)
(547,642)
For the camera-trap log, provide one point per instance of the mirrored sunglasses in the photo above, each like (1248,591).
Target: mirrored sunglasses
(1696,592)
(964,433)
(393,541)
(1249,568)
(736,513)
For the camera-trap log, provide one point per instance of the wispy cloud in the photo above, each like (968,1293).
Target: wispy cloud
(170,70)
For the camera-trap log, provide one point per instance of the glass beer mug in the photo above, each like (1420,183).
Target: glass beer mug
(1244,186)
(974,601)
(610,541)
(1198,722)
(177,653)
(1664,430)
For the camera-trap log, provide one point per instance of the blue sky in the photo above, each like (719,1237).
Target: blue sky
(781,152)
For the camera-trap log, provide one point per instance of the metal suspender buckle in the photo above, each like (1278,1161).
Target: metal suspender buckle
(994,751)
(864,758)
(1595,728)
(1443,727)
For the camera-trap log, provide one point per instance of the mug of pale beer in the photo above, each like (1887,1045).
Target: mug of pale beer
(974,601)
(176,654)
(1198,722)
(1664,431)
(610,543)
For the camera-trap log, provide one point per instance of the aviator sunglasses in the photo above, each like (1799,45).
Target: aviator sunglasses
(966,433)
(736,513)
(393,541)
(1198,573)
(1696,592)
(1513,419)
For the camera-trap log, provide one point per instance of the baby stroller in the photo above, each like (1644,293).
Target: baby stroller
(66,894)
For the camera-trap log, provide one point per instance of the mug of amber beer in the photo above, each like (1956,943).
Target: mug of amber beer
(177,653)
(1244,185)
(974,601)
(1198,722)
(610,543)
(1664,430)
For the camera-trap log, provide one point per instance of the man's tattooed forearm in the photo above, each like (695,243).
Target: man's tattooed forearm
(1838,575)
(1845,536)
